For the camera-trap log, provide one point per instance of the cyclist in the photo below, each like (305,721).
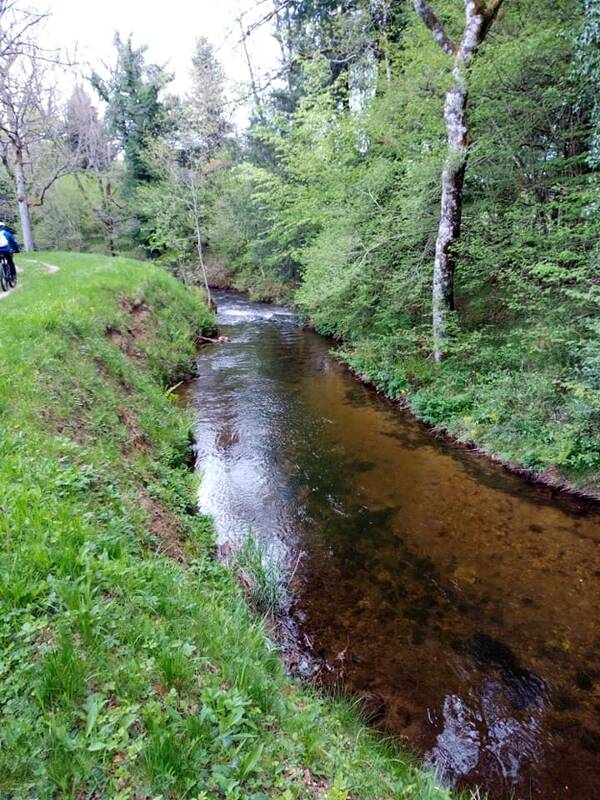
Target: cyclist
(8,246)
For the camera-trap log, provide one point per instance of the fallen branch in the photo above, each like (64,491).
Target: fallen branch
(219,340)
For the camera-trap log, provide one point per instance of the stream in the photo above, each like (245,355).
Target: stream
(458,601)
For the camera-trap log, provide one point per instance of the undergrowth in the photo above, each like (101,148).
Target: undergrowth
(509,392)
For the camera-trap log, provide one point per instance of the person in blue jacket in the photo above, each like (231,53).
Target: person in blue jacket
(8,246)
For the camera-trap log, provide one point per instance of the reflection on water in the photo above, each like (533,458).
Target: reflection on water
(457,600)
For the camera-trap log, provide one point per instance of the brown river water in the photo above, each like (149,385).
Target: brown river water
(459,601)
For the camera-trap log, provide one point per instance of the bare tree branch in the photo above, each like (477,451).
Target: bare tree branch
(64,170)
(31,131)
(15,27)
(266,18)
(491,12)
(423,9)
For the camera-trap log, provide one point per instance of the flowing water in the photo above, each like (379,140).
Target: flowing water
(460,602)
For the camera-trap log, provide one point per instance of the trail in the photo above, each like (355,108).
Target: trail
(50,267)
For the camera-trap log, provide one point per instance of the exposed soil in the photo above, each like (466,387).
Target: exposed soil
(164,526)
(128,340)
(139,440)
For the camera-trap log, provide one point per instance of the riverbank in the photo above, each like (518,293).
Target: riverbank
(131,665)
(525,416)
(522,419)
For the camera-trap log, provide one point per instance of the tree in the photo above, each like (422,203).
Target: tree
(185,162)
(32,136)
(16,26)
(135,112)
(588,68)
(206,102)
(479,17)
(176,204)
(96,152)
(346,34)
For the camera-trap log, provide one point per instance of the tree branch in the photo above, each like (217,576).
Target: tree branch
(493,9)
(62,170)
(13,41)
(267,17)
(423,9)
(490,13)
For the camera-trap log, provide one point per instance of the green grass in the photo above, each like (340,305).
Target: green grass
(261,578)
(131,666)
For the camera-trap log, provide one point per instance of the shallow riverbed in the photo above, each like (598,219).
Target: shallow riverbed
(458,600)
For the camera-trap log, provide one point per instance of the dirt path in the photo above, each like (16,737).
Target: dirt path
(50,267)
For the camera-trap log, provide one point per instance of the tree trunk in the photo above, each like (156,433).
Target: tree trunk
(24,211)
(110,233)
(453,177)
(479,16)
(199,248)
(253,83)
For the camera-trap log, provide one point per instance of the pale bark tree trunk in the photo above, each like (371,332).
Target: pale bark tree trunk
(386,44)
(28,113)
(200,250)
(479,16)
(453,176)
(23,201)
(199,247)
(253,82)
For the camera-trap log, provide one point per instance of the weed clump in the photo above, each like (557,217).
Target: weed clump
(261,577)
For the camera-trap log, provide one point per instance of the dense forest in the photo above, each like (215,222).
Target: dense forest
(482,317)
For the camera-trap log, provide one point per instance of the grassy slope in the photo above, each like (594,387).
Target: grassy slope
(503,397)
(130,665)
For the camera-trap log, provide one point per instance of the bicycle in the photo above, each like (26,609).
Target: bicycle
(8,275)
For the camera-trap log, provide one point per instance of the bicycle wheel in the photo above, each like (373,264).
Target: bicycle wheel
(11,273)
(3,280)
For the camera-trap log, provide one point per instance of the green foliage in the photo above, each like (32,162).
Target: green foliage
(66,220)
(134,109)
(588,72)
(7,200)
(345,208)
(62,675)
(206,103)
(185,161)
(260,577)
